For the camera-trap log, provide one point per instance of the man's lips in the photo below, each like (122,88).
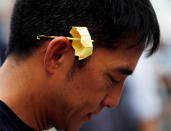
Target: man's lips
(89,115)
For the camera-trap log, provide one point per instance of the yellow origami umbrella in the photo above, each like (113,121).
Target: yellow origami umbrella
(82,42)
(83,47)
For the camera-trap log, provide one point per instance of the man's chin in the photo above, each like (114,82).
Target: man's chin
(73,128)
(77,125)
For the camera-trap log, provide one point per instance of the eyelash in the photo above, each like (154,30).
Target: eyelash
(111,81)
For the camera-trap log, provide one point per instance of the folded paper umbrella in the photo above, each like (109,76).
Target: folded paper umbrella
(82,42)
(83,47)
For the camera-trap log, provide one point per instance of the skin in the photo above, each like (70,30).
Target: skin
(40,92)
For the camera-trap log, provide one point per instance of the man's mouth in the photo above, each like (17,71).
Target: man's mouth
(89,116)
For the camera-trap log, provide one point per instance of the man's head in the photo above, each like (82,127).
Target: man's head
(107,20)
(75,89)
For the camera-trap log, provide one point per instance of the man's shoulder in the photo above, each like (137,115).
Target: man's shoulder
(9,121)
(5,123)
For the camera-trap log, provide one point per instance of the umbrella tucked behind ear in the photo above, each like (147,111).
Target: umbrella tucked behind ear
(83,47)
(82,42)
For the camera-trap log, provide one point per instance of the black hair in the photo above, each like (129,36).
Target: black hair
(108,21)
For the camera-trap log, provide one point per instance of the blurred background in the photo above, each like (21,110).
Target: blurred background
(145,104)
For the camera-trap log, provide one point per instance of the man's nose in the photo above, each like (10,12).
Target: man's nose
(110,101)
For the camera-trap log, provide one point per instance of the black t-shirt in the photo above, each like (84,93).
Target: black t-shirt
(9,121)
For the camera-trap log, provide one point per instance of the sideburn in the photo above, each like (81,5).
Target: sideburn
(77,64)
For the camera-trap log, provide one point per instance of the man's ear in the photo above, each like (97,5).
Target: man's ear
(56,50)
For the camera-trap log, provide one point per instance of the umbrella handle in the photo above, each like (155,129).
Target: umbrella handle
(52,37)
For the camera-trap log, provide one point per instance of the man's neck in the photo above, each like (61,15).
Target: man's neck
(18,90)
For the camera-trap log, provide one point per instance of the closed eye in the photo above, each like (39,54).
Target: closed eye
(110,80)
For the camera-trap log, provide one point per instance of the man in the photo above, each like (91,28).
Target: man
(43,84)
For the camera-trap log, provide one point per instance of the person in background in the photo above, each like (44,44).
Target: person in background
(2,50)
(5,13)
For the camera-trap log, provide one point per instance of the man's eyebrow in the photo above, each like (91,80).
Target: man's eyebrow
(124,70)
